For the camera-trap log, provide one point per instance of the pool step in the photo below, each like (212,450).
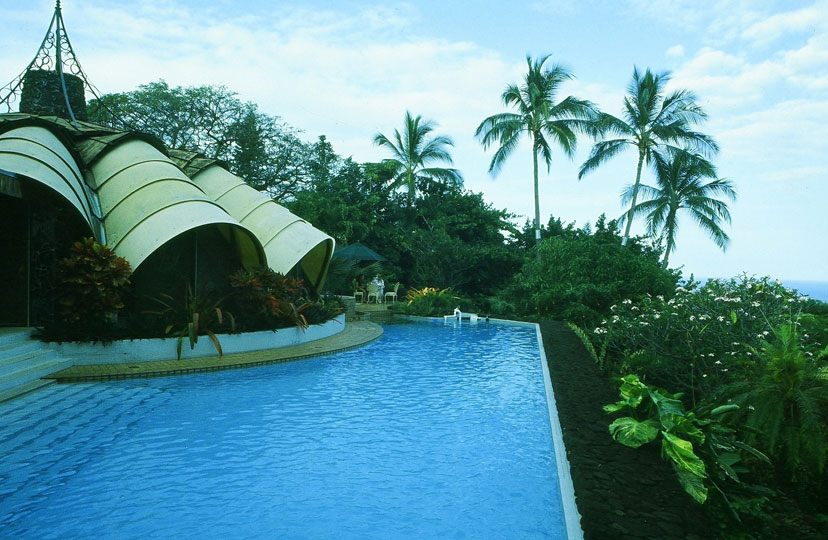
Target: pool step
(376,316)
(24,361)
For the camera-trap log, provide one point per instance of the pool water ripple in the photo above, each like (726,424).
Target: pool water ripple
(429,432)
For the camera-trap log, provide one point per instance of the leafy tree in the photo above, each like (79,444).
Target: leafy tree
(460,242)
(413,151)
(340,201)
(683,184)
(579,275)
(213,121)
(538,116)
(651,122)
(269,156)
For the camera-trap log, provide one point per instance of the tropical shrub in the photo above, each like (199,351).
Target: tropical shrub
(92,283)
(267,300)
(324,309)
(701,450)
(577,275)
(741,349)
(431,302)
(784,403)
(701,338)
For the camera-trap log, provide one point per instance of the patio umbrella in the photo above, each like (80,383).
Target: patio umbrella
(359,252)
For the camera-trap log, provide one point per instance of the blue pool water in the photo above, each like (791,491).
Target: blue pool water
(430,432)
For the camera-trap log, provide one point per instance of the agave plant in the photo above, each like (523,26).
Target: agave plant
(196,314)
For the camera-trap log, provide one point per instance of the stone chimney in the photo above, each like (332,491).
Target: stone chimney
(43,94)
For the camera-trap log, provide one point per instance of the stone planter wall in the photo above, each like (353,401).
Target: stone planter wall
(146,350)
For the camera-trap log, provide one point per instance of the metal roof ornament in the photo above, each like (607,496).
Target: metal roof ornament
(55,55)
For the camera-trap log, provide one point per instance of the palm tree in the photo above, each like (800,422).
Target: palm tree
(685,181)
(540,117)
(651,123)
(412,153)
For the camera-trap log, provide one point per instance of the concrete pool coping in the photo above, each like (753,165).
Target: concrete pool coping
(355,334)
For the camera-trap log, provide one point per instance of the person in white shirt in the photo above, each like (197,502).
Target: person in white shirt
(380,284)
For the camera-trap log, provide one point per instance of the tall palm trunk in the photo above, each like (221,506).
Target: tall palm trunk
(667,251)
(671,237)
(410,183)
(537,197)
(634,198)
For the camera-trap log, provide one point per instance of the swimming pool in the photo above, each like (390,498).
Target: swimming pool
(432,431)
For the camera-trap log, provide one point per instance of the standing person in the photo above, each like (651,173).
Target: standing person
(380,287)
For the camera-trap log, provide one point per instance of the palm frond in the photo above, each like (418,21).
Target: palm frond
(602,152)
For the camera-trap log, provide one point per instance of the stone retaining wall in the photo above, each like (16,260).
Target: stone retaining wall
(145,350)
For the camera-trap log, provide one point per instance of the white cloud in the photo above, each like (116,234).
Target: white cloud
(724,80)
(776,26)
(351,73)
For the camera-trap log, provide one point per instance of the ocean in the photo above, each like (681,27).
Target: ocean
(817,290)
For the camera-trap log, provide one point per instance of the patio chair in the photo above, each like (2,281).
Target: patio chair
(393,294)
(359,292)
(373,291)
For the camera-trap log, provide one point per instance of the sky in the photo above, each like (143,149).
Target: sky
(349,70)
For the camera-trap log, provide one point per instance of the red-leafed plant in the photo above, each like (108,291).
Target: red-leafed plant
(91,286)
(269,299)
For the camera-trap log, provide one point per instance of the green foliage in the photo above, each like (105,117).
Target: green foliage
(92,284)
(414,151)
(197,313)
(345,201)
(213,121)
(597,357)
(459,242)
(784,400)
(702,337)
(652,123)
(431,302)
(540,116)
(741,342)
(702,451)
(663,414)
(446,237)
(323,309)
(269,300)
(577,276)
(686,182)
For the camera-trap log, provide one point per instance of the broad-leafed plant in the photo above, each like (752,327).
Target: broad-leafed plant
(269,300)
(701,450)
(92,284)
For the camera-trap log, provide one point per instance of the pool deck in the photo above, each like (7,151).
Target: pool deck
(355,334)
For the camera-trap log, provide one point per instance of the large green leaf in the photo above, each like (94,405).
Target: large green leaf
(632,391)
(689,467)
(666,404)
(630,432)
(684,427)
(615,407)
(693,485)
(726,460)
